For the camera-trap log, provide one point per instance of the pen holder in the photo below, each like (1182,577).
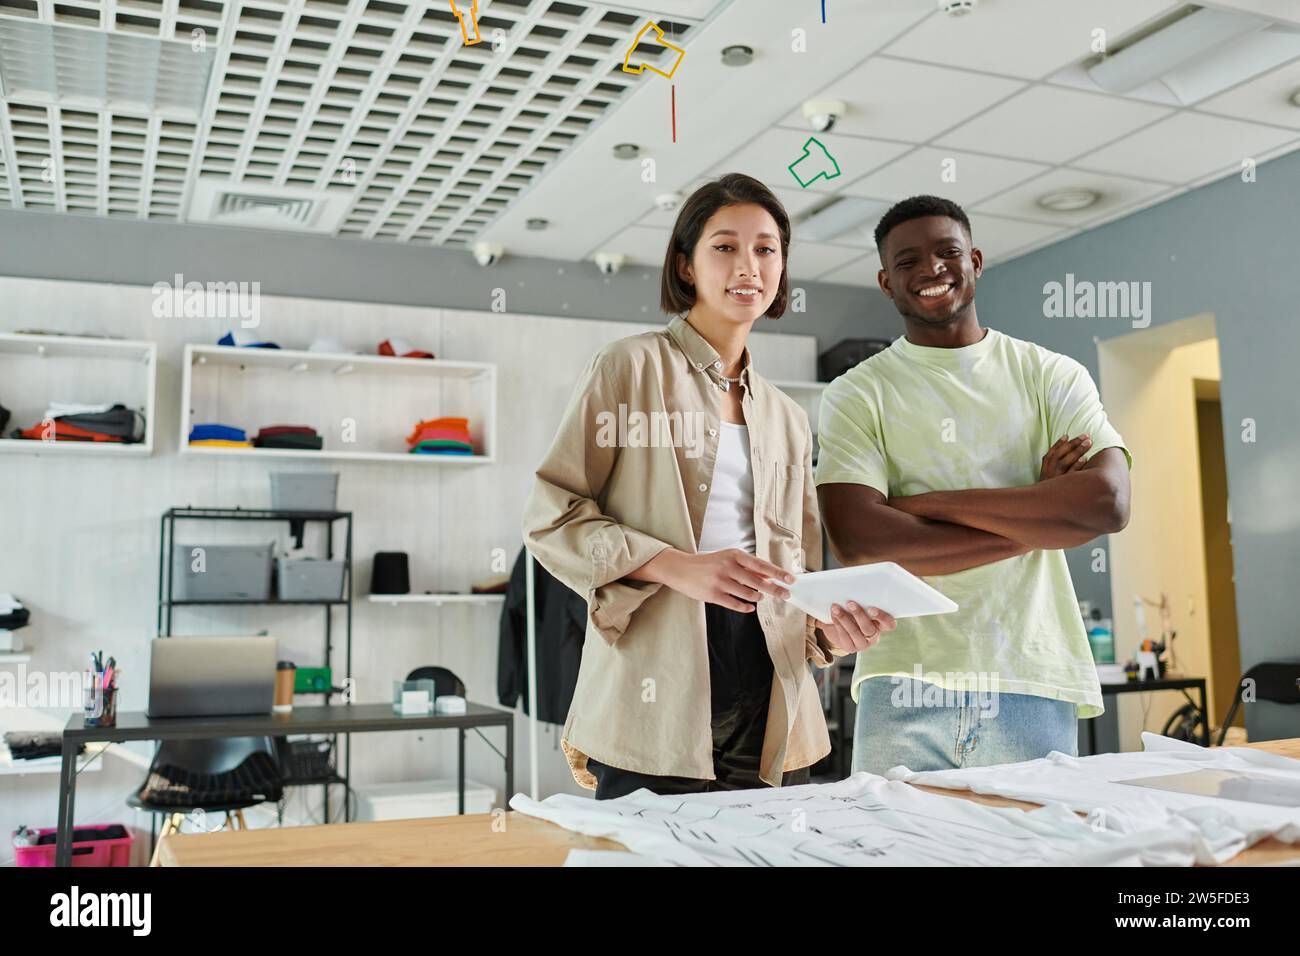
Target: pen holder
(100,701)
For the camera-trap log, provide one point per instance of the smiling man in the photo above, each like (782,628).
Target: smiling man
(970,458)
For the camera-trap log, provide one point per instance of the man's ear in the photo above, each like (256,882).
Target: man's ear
(684,270)
(882,279)
(977,260)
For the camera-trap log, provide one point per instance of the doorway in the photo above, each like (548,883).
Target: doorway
(1160,387)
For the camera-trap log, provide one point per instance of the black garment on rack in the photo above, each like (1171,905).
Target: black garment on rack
(561,617)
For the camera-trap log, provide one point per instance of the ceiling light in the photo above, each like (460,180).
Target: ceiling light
(1235,62)
(627,151)
(840,216)
(1201,54)
(1069,200)
(957,8)
(1295,98)
(737,55)
(538,224)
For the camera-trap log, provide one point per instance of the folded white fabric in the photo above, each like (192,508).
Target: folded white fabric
(9,603)
(1222,827)
(56,409)
(865,820)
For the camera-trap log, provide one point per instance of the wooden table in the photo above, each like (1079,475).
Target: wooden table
(501,839)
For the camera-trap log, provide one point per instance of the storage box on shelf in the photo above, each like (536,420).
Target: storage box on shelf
(363,406)
(38,369)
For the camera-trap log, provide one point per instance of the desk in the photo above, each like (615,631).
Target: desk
(1164,683)
(472,841)
(332,718)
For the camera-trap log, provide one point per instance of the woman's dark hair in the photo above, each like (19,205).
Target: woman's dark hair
(676,295)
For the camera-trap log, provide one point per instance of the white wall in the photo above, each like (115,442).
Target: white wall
(81,534)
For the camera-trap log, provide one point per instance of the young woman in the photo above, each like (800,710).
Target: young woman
(678,497)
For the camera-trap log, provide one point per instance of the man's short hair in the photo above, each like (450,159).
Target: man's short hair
(917,207)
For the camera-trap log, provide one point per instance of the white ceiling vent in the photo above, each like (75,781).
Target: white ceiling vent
(88,69)
(267,207)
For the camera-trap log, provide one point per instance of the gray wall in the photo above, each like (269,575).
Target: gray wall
(130,252)
(1228,248)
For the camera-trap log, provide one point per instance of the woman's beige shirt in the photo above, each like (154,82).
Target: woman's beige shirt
(627,476)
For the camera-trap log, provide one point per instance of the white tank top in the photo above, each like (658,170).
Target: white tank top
(729,515)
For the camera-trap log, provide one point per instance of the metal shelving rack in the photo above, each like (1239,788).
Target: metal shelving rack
(297,521)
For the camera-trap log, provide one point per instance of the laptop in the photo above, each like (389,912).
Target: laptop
(211,676)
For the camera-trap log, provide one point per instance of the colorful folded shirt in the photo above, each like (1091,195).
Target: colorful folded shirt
(58,430)
(298,441)
(285,430)
(449,422)
(221,443)
(441,434)
(442,451)
(438,445)
(213,430)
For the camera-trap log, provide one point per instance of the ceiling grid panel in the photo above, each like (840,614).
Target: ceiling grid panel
(215,34)
(474,99)
(12,189)
(355,142)
(315,110)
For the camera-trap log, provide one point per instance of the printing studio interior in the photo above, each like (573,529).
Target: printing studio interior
(580,434)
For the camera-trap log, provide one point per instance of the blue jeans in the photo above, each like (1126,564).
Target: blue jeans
(896,725)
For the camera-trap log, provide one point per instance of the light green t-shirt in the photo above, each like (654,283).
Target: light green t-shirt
(913,419)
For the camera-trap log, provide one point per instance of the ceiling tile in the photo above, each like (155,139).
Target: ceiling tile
(808,260)
(898,99)
(1051,124)
(966,180)
(859,272)
(769,156)
(1265,99)
(1185,147)
(795,202)
(1116,192)
(643,245)
(1001,239)
(1025,38)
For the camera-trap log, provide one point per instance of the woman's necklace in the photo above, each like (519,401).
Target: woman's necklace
(726,382)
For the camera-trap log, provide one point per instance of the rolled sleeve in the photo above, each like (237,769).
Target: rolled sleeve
(564,525)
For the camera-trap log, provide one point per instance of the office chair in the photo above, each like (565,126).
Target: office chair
(1275,681)
(445,682)
(225,775)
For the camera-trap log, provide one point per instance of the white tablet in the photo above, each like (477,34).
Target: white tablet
(884,585)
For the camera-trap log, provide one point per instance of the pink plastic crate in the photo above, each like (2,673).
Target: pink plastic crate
(86,853)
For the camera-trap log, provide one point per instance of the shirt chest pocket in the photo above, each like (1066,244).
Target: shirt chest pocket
(785,503)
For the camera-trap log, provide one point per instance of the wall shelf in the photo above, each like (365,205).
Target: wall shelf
(37,369)
(373,400)
(437,599)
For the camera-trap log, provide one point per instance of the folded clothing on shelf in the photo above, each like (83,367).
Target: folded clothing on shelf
(12,613)
(402,348)
(301,437)
(448,435)
(239,338)
(214,431)
(66,421)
